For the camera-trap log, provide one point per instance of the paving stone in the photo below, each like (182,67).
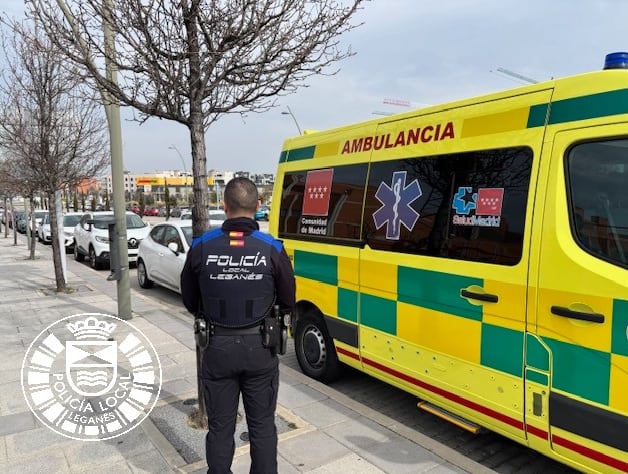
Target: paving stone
(312,450)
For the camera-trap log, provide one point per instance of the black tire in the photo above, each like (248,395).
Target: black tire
(315,349)
(142,275)
(95,264)
(78,256)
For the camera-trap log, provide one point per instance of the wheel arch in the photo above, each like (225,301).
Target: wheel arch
(306,307)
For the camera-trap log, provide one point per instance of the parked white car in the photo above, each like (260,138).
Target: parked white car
(70,220)
(216,217)
(91,237)
(39,217)
(162,254)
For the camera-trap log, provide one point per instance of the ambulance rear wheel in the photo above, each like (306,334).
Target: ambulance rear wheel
(315,349)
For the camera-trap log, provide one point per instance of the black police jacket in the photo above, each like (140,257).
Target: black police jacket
(234,274)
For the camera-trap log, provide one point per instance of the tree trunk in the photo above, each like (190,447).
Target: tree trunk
(6,218)
(56,245)
(200,210)
(13,222)
(33,229)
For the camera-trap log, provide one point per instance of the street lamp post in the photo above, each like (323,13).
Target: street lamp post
(289,112)
(185,184)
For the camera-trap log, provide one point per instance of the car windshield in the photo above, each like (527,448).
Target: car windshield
(187,232)
(40,214)
(133,221)
(217,216)
(71,221)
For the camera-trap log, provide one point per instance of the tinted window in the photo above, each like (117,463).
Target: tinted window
(597,181)
(157,234)
(468,206)
(170,235)
(187,233)
(323,204)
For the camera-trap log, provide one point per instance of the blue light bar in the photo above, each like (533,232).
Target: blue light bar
(616,61)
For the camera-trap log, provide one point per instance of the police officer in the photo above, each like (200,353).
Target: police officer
(234,276)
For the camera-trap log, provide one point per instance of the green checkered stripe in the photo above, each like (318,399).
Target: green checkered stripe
(502,348)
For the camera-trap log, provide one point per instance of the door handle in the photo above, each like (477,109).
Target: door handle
(580,315)
(488,297)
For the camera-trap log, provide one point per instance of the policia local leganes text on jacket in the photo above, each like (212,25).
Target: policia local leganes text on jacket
(236,274)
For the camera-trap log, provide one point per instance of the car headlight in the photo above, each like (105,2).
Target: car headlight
(104,240)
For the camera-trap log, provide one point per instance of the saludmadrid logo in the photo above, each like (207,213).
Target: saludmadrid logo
(91,377)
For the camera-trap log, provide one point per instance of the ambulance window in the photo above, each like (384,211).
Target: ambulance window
(323,204)
(597,177)
(467,206)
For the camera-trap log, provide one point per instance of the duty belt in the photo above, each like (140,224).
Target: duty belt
(222,331)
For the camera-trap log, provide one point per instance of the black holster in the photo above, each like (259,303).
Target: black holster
(201,331)
(275,331)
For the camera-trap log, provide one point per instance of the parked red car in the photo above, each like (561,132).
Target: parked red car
(151,211)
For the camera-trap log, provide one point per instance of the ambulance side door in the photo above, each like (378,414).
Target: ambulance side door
(582,297)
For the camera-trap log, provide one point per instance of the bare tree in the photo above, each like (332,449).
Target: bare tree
(8,190)
(15,181)
(192,61)
(49,123)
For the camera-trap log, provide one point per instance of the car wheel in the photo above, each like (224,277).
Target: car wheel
(142,275)
(315,349)
(95,264)
(78,256)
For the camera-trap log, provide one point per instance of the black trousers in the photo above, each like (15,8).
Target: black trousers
(234,365)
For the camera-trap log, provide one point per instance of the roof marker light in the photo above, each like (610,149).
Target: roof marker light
(616,61)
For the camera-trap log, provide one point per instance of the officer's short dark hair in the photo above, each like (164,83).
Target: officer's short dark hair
(241,195)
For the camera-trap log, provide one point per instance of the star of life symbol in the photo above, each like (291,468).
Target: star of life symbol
(464,200)
(396,209)
(80,382)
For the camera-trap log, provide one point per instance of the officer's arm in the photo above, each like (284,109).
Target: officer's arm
(285,285)
(190,290)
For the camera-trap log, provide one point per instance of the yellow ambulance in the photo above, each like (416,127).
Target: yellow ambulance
(475,254)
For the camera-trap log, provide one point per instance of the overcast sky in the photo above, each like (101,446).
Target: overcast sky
(419,51)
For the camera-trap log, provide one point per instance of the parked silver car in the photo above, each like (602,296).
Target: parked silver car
(162,254)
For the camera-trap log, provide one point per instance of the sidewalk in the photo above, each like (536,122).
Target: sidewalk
(328,432)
